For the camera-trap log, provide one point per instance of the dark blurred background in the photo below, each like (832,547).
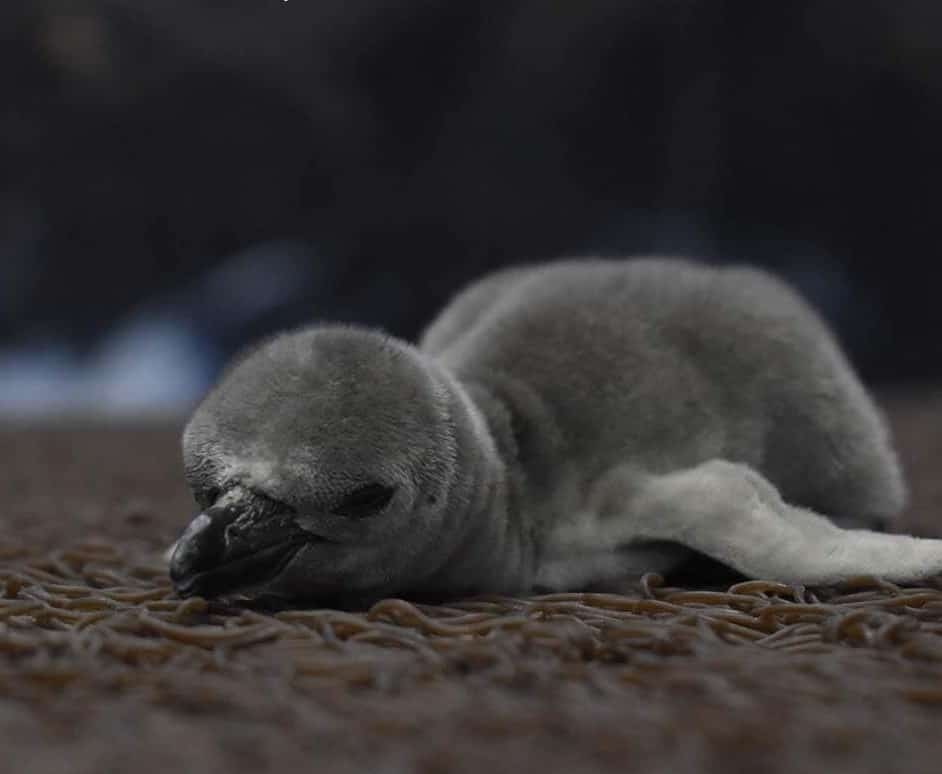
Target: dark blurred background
(177,178)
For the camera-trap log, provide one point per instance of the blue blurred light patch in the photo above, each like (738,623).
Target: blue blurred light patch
(148,367)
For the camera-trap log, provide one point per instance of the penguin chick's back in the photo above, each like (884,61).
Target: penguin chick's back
(651,357)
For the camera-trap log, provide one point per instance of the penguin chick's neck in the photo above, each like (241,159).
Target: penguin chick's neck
(495,550)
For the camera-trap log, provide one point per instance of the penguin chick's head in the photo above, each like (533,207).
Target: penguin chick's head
(325,462)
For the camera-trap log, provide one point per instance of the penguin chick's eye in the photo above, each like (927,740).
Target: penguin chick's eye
(205,497)
(365,501)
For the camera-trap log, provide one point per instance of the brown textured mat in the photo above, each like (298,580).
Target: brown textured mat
(102,669)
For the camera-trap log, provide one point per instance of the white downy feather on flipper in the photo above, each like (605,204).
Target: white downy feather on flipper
(558,426)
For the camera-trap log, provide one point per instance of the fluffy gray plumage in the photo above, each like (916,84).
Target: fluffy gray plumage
(558,426)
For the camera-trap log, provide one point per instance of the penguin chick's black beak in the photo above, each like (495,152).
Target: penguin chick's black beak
(216,555)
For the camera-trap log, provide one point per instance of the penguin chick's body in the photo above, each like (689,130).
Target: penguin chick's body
(559,426)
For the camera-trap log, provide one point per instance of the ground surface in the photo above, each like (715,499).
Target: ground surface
(102,669)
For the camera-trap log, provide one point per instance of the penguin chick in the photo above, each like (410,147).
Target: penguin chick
(558,427)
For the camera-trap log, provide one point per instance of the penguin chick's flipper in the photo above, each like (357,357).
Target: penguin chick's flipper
(731,513)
